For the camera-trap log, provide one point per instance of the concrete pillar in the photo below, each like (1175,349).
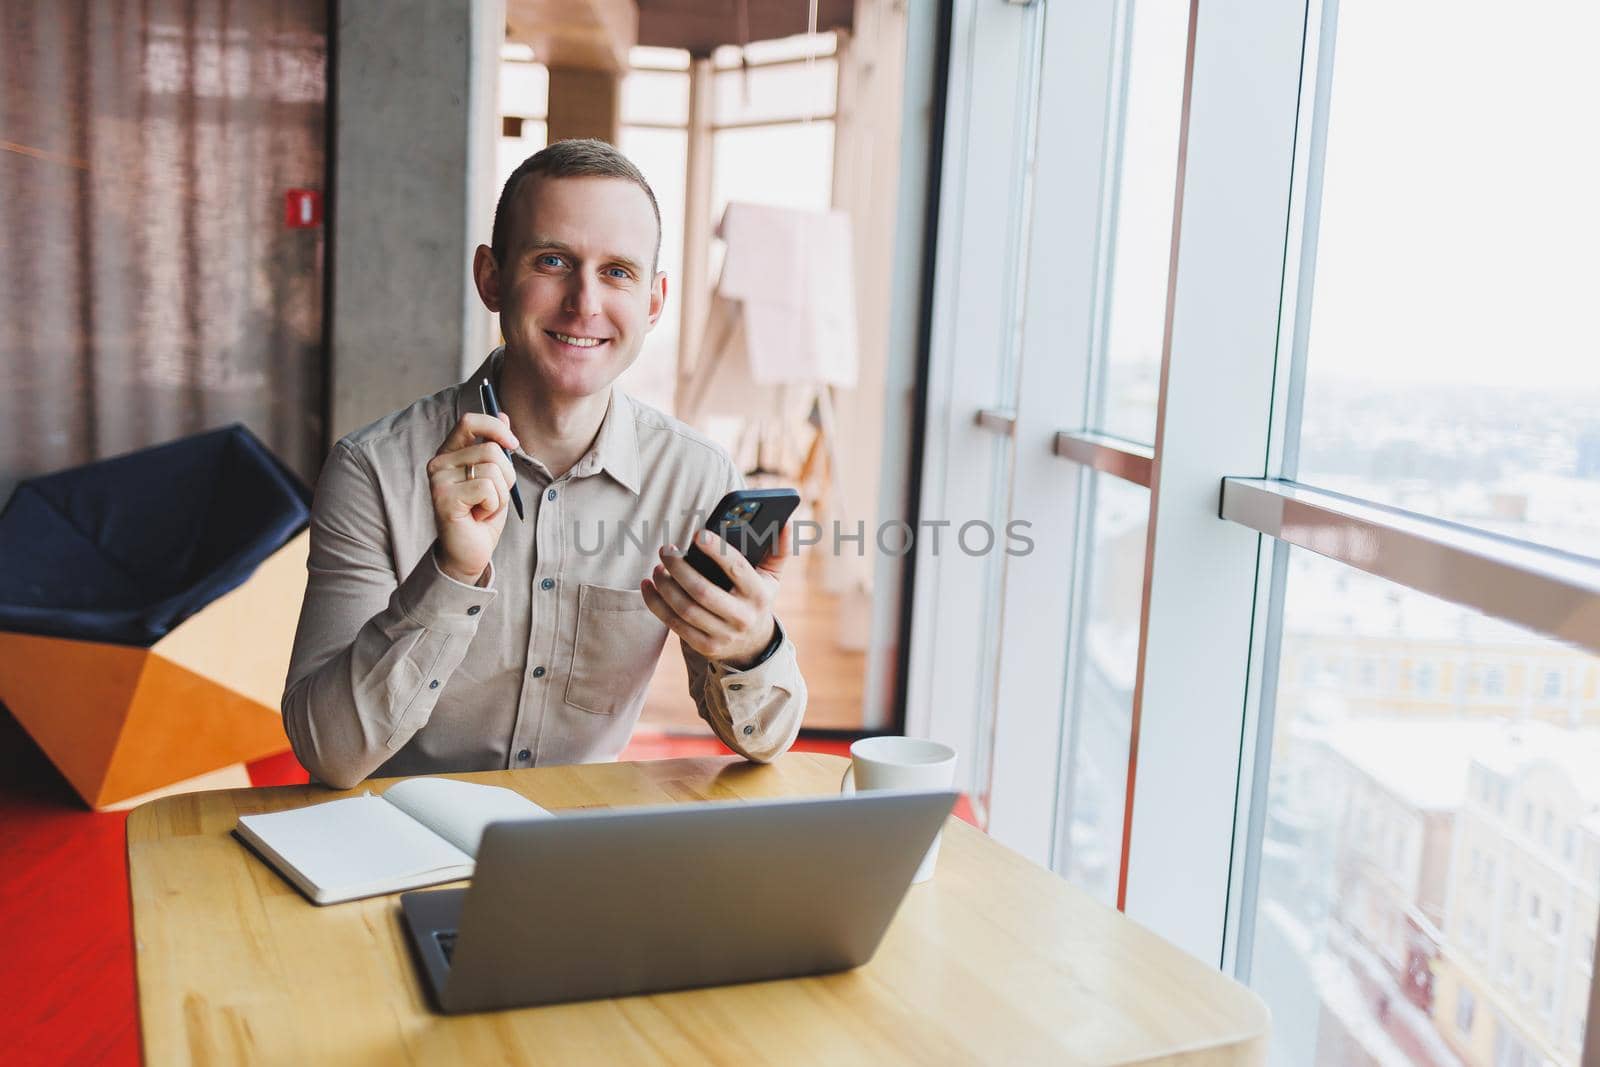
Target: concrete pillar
(416,117)
(584,103)
(694,285)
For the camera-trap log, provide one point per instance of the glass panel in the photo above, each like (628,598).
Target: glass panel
(524,89)
(1141,218)
(788,166)
(1430,866)
(1105,664)
(762,94)
(1453,366)
(641,55)
(654,96)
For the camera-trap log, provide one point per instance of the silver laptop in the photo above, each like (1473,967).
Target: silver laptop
(610,903)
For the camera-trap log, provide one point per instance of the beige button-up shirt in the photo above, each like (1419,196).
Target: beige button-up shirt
(399,669)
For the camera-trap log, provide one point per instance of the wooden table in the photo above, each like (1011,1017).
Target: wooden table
(996,960)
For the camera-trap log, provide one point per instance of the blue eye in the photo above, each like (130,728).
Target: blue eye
(549,259)
(617,272)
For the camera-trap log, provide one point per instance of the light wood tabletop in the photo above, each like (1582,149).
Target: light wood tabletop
(996,960)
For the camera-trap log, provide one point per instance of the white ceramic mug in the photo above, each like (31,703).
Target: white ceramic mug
(902,763)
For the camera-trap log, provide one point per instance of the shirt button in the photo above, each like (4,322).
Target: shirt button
(551,495)
(473,610)
(736,685)
(434,684)
(749,730)
(523,755)
(538,672)
(548,583)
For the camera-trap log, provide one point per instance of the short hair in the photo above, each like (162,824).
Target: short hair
(577,158)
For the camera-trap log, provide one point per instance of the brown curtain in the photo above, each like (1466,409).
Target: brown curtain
(149,287)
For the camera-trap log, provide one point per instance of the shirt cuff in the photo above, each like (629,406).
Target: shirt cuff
(721,669)
(747,693)
(435,601)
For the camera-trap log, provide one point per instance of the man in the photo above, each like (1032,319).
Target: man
(439,635)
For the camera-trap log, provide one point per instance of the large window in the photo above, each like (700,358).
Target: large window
(1430,807)
(1318,277)
(1453,363)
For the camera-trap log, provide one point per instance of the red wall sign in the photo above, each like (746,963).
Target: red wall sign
(302,208)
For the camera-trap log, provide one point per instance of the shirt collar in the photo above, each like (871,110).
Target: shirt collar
(616,446)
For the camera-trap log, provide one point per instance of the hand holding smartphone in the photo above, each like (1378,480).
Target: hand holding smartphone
(750,521)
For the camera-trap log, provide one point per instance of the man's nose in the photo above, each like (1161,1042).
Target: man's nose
(583,295)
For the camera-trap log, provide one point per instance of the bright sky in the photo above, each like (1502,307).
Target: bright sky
(1461,223)
(1460,235)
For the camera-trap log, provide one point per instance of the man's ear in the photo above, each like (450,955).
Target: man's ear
(658,295)
(486,276)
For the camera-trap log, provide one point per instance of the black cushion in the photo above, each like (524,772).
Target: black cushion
(124,549)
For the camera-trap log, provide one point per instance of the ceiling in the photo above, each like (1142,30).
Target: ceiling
(589,34)
(701,25)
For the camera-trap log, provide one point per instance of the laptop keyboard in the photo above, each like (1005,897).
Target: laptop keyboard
(447,943)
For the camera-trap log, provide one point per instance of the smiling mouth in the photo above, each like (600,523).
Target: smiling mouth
(577,342)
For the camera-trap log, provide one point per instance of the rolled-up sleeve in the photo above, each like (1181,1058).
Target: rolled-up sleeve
(756,712)
(371,653)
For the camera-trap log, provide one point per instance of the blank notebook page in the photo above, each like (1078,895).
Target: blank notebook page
(358,841)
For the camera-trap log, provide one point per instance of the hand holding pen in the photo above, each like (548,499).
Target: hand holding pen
(491,408)
(471,481)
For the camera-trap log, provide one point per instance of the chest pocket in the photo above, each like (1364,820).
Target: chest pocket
(615,650)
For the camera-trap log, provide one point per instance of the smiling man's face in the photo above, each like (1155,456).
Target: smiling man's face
(578,289)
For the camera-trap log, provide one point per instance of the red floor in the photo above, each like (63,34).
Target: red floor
(66,985)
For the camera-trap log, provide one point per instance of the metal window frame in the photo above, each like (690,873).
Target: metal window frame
(1543,589)
(1085,144)
(1002,421)
(1271,580)
(789,61)
(966,467)
(1109,455)
(1034,728)
(669,127)
(1219,370)
(788,120)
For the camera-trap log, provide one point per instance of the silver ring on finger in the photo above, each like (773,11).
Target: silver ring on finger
(472,471)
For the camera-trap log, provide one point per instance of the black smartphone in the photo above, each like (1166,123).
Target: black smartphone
(749,520)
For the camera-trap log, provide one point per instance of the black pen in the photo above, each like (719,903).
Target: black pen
(492,409)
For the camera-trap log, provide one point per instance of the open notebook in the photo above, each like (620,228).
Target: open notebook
(419,832)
